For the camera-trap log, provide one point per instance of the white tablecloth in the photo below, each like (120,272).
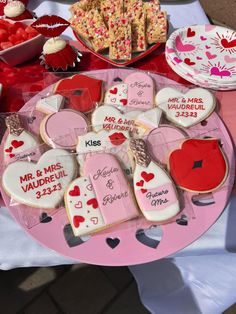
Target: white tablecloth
(199,279)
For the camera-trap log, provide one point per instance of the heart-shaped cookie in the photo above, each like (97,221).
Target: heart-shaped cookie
(186,109)
(40,184)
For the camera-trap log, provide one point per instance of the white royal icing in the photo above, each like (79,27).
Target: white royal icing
(40,184)
(185,109)
(85,217)
(54,45)
(14,8)
(14,146)
(117,96)
(50,104)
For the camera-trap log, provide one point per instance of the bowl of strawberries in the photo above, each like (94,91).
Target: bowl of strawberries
(19,42)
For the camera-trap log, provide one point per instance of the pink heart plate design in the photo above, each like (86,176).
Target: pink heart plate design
(205,52)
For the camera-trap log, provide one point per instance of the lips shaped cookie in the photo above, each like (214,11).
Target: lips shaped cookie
(185,109)
(199,165)
(83,92)
(101,198)
(154,189)
(40,184)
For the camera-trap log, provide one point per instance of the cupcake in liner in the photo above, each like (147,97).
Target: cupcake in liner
(59,55)
(16,11)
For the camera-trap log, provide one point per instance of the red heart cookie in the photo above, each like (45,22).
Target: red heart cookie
(90,92)
(199,165)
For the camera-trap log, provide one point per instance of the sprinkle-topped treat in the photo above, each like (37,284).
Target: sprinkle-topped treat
(85,5)
(156,27)
(109,9)
(120,39)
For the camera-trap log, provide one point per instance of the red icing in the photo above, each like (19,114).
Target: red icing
(17,144)
(140,183)
(124,102)
(91,91)
(114,91)
(9,150)
(12,155)
(143,190)
(93,202)
(77,220)
(199,165)
(117,138)
(190,33)
(147,176)
(75,191)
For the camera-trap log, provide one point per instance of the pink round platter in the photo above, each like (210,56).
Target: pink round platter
(136,241)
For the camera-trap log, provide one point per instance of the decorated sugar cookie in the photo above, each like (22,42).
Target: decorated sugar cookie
(154,190)
(84,93)
(110,118)
(117,95)
(199,165)
(101,198)
(50,104)
(114,142)
(18,140)
(40,184)
(140,91)
(61,129)
(185,109)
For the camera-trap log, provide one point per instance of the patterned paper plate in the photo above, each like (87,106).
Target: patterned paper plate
(204,51)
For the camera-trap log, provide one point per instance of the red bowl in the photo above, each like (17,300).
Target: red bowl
(104,56)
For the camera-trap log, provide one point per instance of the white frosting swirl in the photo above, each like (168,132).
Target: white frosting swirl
(14,9)
(54,45)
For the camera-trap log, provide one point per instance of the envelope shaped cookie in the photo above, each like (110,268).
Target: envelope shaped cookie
(100,199)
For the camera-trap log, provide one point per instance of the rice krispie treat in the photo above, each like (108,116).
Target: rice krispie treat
(156,30)
(109,8)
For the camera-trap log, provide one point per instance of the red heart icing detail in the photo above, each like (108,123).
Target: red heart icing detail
(228,44)
(75,191)
(17,144)
(140,183)
(143,191)
(77,220)
(188,61)
(93,202)
(124,102)
(114,91)
(199,165)
(92,91)
(117,138)
(12,155)
(147,176)
(9,150)
(190,32)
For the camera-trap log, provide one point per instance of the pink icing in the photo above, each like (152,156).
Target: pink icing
(111,188)
(158,198)
(62,128)
(140,90)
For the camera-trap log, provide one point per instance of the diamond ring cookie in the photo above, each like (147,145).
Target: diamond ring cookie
(154,190)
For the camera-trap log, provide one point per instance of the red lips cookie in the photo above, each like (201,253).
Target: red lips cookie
(199,165)
(83,92)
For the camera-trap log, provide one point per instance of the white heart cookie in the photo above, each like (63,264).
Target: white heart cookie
(15,145)
(117,95)
(185,109)
(114,142)
(40,184)
(110,118)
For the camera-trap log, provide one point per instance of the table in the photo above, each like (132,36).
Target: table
(192,281)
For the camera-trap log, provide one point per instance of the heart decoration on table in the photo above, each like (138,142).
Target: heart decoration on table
(186,109)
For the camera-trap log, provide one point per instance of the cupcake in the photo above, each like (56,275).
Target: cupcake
(16,11)
(59,55)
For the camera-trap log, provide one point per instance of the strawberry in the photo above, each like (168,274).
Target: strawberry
(5,45)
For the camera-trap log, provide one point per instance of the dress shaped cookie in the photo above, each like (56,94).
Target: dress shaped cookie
(82,92)
(18,140)
(40,184)
(186,109)
(101,198)
(154,190)
(140,91)
(199,165)
(117,95)
(113,142)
